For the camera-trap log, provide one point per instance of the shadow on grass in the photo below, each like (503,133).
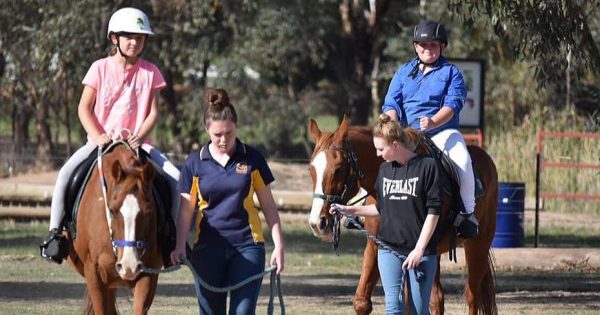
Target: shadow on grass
(542,287)
(566,240)
(530,281)
(25,241)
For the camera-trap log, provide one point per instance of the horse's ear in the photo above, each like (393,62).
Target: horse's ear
(342,130)
(117,171)
(314,129)
(148,172)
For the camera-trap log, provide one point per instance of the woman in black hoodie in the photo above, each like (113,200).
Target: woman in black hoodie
(409,200)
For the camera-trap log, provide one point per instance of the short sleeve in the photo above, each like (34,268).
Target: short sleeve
(262,175)
(158,81)
(186,176)
(92,77)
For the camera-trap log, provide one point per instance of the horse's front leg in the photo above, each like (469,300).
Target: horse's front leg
(97,292)
(144,290)
(369,274)
(436,304)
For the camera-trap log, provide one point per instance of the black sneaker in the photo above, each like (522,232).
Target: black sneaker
(466,225)
(55,248)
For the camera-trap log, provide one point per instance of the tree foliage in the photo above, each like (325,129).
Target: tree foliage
(555,34)
(282,61)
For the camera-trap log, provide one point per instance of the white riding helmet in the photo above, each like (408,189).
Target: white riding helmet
(129,20)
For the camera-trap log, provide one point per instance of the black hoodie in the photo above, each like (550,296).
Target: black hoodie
(406,194)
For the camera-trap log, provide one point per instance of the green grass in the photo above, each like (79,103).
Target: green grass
(316,281)
(564,237)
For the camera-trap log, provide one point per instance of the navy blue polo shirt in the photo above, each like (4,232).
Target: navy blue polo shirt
(226,212)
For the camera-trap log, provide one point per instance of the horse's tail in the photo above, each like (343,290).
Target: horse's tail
(488,289)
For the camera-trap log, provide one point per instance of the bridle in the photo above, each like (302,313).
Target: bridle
(352,177)
(143,245)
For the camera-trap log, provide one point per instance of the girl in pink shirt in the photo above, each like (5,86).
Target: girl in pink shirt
(119,99)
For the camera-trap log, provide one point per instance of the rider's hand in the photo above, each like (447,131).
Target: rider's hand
(426,123)
(102,140)
(134,141)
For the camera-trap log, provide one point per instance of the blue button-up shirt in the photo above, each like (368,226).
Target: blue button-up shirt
(426,94)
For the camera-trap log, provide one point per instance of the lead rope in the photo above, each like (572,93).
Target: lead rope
(275,280)
(418,272)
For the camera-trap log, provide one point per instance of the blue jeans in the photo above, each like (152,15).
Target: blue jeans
(223,266)
(392,279)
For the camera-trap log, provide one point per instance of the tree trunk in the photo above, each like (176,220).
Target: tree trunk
(21,117)
(360,46)
(44,138)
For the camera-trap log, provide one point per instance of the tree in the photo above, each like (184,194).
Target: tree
(559,36)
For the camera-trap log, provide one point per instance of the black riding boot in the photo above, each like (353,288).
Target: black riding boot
(466,225)
(55,248)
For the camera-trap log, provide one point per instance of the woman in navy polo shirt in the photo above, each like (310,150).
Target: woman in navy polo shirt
(428,94)
(220,181)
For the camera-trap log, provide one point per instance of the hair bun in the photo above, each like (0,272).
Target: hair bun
(384,118)
(217,97)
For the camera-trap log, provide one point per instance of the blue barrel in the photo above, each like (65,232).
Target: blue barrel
(510,230)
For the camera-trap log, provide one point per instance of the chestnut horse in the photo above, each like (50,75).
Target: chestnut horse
(337,165)
(116,239)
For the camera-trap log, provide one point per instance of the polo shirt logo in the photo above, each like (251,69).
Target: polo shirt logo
(241,168)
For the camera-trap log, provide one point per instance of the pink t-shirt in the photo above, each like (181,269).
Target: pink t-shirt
(123,96)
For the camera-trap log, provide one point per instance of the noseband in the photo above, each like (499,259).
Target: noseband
(352,177)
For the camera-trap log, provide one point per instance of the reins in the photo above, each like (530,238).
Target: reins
(115,243)
(117,138)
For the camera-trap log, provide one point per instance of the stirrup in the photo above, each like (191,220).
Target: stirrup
(466,225)
(55,248)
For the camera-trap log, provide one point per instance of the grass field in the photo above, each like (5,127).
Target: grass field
(315,281)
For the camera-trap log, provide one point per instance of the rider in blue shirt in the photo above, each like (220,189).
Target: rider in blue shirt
(428,94)
(424,93)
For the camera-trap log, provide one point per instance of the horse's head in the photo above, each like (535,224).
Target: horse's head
(335,175)
(133,215)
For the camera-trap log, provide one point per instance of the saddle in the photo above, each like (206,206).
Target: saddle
(452,187)
(167,235)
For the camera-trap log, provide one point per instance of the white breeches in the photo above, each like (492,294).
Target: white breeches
(452,143)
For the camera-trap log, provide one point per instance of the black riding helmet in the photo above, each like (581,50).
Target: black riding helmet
(430,30)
